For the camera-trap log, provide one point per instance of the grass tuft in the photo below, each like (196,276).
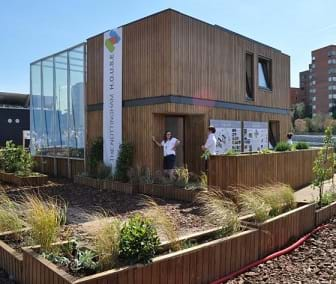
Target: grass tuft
(44,219)
(219,210)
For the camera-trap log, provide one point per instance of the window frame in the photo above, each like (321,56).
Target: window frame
(270,75)
(252,97)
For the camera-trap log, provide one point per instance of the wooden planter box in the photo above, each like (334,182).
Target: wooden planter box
(24,181)
(11,261)
(325,213)
(276,233)
(200,264)
(168,192)
(106,184)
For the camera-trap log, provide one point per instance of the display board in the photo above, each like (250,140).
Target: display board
(255,135)
(228,135)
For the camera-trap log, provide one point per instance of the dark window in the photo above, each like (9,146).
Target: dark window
(265,73)
(249,76)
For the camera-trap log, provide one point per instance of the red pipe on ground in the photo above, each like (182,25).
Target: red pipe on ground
(270,257)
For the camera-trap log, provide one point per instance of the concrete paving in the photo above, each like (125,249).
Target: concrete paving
(311,194)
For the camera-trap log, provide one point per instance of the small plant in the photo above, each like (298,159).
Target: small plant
(107,242)
(204,180)
(145,176)
(182,176)
(206,155)
(85,261)
(133,175)
(162,222)
(124,162)
(96,155)
(15,159)
(10,219)
(266,151)
(251,202)
(301,146)
(103,172)
(328,198)
(219,210)
(44,220)
(282,147)
(139,240)
(159,178)
(231,153)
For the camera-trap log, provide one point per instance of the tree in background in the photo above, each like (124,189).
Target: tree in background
(300,125)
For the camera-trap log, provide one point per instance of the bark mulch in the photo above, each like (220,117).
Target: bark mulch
(313,262)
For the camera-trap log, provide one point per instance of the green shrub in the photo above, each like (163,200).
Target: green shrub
(301,146)
(96,155)
(139,240)
(103,172)
(182,176)
(124,162)
(282,146)
(15,159)
(10,220)
(328,198)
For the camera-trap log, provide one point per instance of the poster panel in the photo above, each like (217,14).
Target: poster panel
(255,136)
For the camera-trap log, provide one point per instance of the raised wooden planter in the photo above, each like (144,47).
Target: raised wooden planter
(325,213)
(106,184)
(200,264)
(168,192)
(292,167)
(24,181)
(11,261)
(278,232)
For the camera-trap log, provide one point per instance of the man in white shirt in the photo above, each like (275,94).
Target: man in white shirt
(211,142)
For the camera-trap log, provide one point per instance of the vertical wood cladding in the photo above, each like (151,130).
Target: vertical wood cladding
(173,54)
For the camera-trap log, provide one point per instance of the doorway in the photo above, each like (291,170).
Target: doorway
(175,124)
(274,132)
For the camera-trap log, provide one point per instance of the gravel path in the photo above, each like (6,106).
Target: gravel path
(313,262)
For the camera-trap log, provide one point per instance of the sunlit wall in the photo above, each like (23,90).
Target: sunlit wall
(57,104)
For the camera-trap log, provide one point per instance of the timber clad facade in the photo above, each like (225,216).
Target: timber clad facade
(180,72)
(177,66)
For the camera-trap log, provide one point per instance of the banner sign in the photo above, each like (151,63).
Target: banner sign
(228,135)
(112,111)
(255,135)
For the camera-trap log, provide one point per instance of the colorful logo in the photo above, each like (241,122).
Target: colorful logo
(114,39)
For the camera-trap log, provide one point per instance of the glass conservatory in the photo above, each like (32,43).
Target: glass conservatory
(57,117)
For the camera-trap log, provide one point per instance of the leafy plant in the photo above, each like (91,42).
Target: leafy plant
(266,151)
(162,222)
(124,162)
(146,176)
(328,198)
(324,164)
(96,155)
(86,261)
(139,240)
(231,153)
(103,172)
(301,146)
(182,176)
(15,159)
(159,178)
(206,155)
(203,180)
(44,220)
(10,219)
(282,147)
(219,210)
(107,242)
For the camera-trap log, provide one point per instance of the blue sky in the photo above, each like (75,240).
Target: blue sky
(33,29)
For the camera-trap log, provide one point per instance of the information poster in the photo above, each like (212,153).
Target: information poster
(228,135)
(255,135)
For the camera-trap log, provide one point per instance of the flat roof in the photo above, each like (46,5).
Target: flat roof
(14,99)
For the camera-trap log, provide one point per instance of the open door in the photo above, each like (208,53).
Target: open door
(175,124)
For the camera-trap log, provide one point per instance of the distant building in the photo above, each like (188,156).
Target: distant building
(14,117)
(318,84)
(296,96)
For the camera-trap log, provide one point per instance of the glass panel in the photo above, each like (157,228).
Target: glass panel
(47,104)
(261,76)
(61,105)
(76,102)
(35,109)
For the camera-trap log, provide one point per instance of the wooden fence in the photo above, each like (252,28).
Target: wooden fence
(325,213)
(293,168)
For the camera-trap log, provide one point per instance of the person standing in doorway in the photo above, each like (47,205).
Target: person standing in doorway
(210,144)
(169,144)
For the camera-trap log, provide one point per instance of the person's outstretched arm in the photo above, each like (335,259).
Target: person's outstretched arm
(155,141)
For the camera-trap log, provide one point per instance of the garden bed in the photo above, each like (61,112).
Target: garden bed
(106,184)
(11,260)
(168,192)
(277,232)
(324,214)
(33,180)
(199,264)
